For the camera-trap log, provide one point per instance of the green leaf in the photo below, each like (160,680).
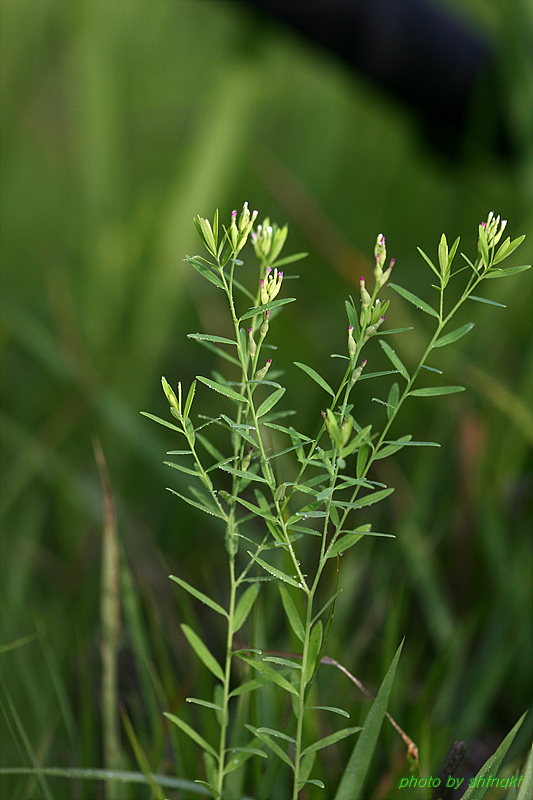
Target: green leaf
(316,377)
(273,571)
(270,402)
(162,421)
(292,612)
(244,606)
(394,359)
(256,510)
(239,756)
(202,652)
(249,476)
(392,447)
(433,391)
(271,674)
(207,337)
(192,733)
(475,792)
(216,512)
(484,300)
(506,249)
(428,261)
(187,470)
(225,390)
(281,262)
(504,273)
(204,271)
(393,399)
(334,709)
(454,335)
(412,298)
(313,651)
(331,739)
(369,500)
(343,544)
(205,703)
(354,775)
(249,686)
(526,789)
(199,595)
(283,662)
(274,746)
(253,312)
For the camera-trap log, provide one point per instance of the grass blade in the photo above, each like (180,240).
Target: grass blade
(356,770)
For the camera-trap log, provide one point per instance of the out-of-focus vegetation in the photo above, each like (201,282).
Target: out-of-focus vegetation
(120,122)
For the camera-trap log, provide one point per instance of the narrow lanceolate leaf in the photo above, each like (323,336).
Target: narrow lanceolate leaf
(250,476)
(273,571)
(253,312)
(433,391)
(505,249)
(315,643)
(389,448)
(162,421)
(199,595)
(412,298)
(393,399)
(454,335)
(352,781)
(216,512)
(334,709)
(331,739)
(316,377)
(202,652)
(270,673)
(369,500)
(504,273)
(192,733)
(256,510)
(274,746)
(270,402)
(204,703)
(292,612)
(484,300)
(239,756)
(394,359)
(491,767)
(221,389)
(190,398)
(343,544)
(205,272)
(244,606)
(428,261)
(526,789)
(207,337)
(187,470)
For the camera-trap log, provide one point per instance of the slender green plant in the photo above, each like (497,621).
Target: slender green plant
(331,483)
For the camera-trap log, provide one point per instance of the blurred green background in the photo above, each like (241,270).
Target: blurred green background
(121,121)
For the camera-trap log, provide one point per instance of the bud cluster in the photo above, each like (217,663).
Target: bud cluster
(268,241)
(240,230)
(270,285)
(380,254)
(490,229)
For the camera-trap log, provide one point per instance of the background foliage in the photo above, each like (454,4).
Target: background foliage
(120,122)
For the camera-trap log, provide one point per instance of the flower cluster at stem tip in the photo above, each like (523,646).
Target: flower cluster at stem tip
(490,228)
(239,231)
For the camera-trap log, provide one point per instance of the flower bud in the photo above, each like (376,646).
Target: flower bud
(386,275)
(252,347)
(356,374)
(170,395)
(263,291)
(260,374)
(352,346)
(263,330)
(246,460)
(371,330)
